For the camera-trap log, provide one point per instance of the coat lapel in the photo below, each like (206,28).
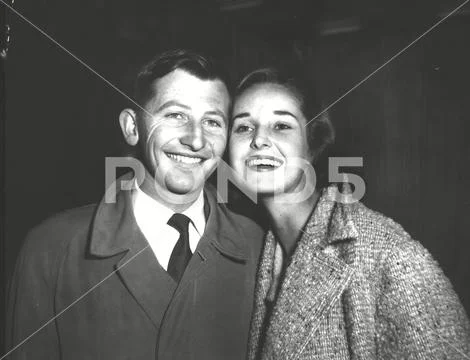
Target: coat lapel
(303,301)
(314,280)
(263,284)
(145,279)
(114,232)
(221,235)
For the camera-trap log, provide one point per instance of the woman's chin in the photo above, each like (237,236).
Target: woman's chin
(268,190)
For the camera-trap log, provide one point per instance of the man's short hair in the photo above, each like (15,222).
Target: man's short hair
(194,63)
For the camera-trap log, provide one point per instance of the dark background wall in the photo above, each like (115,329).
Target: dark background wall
(410,121)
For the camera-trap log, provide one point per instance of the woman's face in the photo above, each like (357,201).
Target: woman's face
(268,143)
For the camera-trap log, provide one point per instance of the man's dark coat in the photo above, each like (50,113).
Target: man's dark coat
(88,286)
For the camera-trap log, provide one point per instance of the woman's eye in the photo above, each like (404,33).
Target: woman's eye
(242,129)
(282,126)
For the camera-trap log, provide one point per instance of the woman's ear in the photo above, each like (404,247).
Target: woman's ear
(128,122)
(321,136)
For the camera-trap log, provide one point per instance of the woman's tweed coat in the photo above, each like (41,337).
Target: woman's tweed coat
(356,287)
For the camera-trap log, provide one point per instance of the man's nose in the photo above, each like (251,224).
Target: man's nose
(260,139)
(194,136)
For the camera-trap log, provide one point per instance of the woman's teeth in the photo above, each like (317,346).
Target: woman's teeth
(264,162)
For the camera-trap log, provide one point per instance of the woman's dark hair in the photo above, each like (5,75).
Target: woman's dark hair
(320,130)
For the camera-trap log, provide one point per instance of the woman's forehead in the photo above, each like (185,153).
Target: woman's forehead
(267,94)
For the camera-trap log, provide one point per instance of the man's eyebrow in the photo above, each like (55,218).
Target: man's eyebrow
(178,104)
(241,115)
(172,103)
(216,112)
(284,112)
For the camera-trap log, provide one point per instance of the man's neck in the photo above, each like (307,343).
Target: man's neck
(176,202)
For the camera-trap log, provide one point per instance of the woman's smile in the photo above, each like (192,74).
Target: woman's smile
(263,163)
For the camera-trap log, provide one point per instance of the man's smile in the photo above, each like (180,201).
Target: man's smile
(185,159)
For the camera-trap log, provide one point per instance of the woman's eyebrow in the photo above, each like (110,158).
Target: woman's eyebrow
(284,112)
(241,115)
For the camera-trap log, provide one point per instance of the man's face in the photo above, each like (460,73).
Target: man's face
(186,135)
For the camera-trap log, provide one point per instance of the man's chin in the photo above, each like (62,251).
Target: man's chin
(183,186)
(181,190)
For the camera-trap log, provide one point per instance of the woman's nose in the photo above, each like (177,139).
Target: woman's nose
(260,140)
(194,136)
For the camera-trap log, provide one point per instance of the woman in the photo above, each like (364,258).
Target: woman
(336,280)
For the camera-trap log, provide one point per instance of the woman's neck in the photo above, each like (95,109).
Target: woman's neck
(288,216)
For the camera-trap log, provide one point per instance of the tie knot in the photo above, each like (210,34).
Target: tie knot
(180,222)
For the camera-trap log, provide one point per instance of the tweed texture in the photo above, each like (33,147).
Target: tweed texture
(356,287)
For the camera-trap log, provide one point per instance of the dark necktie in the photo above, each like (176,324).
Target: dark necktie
(181,252)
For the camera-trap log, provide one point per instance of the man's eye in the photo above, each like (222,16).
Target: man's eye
(282,126)
(213,123)
(242,129)
(176,115)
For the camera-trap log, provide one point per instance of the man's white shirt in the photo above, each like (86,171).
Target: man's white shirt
(152,218)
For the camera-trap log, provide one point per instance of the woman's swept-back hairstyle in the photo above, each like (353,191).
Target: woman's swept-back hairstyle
(320,131)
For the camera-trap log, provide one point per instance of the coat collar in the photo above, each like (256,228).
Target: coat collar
(313,280)
(331,221)
(114,226)
(115,231)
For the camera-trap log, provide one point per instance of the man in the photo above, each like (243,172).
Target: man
(163,272)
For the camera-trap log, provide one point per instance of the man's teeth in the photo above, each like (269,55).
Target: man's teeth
(185,159)
(265,162)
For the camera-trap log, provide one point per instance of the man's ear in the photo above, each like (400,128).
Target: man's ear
(128,122)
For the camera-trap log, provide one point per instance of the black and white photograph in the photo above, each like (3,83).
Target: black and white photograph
(234,179)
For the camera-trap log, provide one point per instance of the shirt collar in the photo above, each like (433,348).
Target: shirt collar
(144,203)
(196,213)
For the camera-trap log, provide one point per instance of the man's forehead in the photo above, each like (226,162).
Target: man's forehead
(183,86)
